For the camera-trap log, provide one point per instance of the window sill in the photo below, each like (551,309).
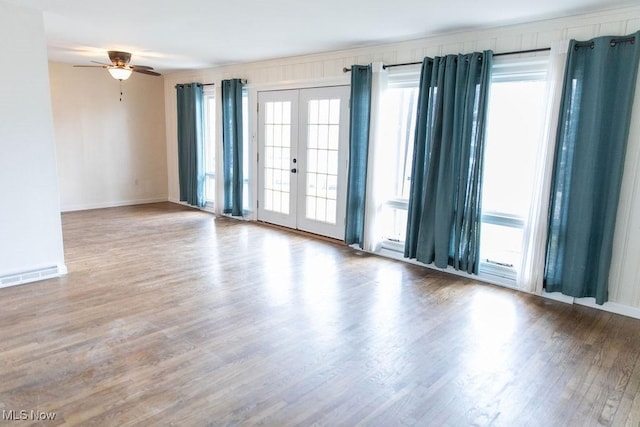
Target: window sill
(496,275)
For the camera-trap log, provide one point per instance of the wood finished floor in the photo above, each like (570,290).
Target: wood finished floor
(169,317)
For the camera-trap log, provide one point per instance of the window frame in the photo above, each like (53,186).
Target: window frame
(247,192)
(210,144)
(507,70)
(402,78)
(504,70)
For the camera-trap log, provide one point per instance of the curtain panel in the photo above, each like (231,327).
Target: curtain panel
(530,276)
(360,116)
(443,224)
(190,143)
(593,129)
(232,146)
(379,186)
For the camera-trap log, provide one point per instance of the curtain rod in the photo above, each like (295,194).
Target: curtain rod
(243,81)
(199,84)
(515,52)
(612,43)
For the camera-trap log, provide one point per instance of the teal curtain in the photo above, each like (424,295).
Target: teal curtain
(360,116)
(190,144)
(593,129)
(232,146)
(443,224)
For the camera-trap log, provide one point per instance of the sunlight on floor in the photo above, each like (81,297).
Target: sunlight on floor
(493,321)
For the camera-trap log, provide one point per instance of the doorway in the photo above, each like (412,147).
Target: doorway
(303,139)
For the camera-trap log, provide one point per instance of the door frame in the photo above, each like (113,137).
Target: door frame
(285,220)
(336,230)
(299,222)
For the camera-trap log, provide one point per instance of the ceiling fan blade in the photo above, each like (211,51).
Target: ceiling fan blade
(145,71)
(120,60)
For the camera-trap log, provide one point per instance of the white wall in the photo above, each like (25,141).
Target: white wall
(326,68)
(110,152)
(30,228)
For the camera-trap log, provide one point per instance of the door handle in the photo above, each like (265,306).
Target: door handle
(294,170)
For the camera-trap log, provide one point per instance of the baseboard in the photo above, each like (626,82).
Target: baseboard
(611,307)
(35,275)
(557,296)
(87,207)
(493,280)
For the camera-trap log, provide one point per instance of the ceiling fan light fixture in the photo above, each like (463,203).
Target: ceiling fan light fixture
(119,73)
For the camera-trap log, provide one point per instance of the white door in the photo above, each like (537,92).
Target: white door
(303,158)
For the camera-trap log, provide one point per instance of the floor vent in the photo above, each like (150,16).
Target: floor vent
(31,276)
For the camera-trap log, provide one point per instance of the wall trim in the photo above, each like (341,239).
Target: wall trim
(444,38)
(86,207)
(490,279)
(611,307)
(309,83)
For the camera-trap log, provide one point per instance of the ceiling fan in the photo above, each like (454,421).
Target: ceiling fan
(120,68)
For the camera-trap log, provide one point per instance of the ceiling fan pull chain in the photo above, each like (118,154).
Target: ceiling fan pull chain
(120,90)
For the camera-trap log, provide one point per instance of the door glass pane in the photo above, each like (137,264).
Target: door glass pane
(334,137)
(312,136)
(286,113)
(322,160)
(323,136)
(323,111)
(334,112)
(312,160)
(277,127)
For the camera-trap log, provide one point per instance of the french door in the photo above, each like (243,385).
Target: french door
(303,148)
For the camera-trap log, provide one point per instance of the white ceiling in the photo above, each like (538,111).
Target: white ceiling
(188,34)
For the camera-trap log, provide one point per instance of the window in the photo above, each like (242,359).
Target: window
(515,124)
(210,146)
(399,107)
(514,131)
(246,144)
